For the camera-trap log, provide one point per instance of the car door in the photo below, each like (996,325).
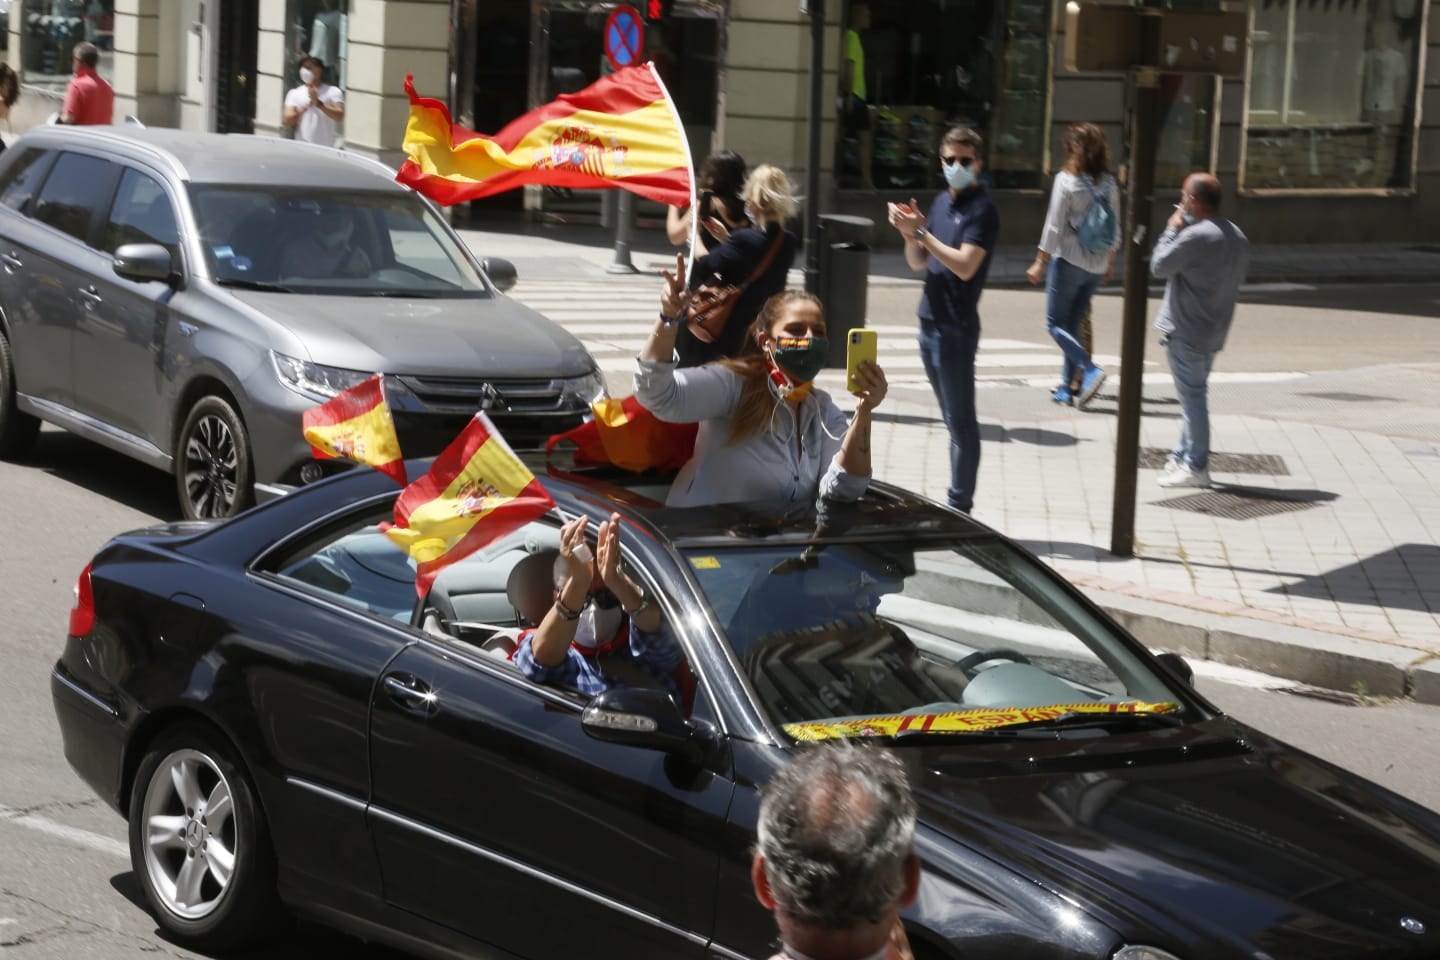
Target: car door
(42,361)
(496,815)
(122,332)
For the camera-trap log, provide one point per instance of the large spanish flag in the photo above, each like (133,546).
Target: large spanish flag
(621,131)
(476,491)
(356,425)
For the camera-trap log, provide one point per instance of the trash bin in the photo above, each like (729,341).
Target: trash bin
(844,277)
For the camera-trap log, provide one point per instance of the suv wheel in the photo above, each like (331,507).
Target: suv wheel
(213,474)
(17,430)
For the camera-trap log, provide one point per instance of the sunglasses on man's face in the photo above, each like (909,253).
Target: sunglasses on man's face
(964,161)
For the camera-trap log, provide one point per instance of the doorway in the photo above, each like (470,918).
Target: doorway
(237,41)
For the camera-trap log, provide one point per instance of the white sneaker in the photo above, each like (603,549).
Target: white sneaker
(1185,476)
(1172,463)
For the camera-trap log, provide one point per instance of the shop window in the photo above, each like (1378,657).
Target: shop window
(316,28)
(1333,88)
(1188,108)
(932,64)
(51,28)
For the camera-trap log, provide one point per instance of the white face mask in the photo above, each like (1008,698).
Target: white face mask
(307,76)
(597,626)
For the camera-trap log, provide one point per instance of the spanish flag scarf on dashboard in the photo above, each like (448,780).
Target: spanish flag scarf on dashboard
(477,490)
(621,131)
(356,425)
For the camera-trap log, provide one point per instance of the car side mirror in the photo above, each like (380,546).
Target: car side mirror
(501,272)
(640,717)
(1178,667)
(143,262)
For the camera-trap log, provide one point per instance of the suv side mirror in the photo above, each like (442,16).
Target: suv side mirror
(501,272)
(640,717)
(1178,667)
(143,262)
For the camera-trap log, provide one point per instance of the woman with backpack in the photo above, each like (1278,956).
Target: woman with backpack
(1077,253)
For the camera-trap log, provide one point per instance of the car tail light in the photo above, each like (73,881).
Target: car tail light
(82,615)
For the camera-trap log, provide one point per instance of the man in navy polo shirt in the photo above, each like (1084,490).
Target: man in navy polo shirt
(952,245)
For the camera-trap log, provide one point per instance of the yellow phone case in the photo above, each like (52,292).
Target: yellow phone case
(860,345)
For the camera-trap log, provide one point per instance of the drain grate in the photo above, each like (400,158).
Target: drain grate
(1268,464)
(1341,396)
(1234,506)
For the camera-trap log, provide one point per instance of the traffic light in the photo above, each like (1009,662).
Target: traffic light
(657,10)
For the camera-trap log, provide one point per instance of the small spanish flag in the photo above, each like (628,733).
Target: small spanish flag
(356,425)
(627,435)
(621,131)
(477,490)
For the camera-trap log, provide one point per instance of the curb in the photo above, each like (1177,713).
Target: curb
(1330,660)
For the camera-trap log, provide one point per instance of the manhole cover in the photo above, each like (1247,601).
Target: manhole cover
(1340,396)
(1234,506)
(1153,458)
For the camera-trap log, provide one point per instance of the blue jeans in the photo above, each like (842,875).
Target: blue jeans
(948,352)
(1190,369)
(1068,291)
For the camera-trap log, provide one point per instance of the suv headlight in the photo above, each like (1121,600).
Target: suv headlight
(583,391)
(305,377)
(1137,952)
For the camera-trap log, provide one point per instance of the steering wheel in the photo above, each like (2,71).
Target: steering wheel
(969,662)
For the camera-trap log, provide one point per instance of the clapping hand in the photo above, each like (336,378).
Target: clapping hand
(905,217)
(718,229)
(607,545)
(574,552)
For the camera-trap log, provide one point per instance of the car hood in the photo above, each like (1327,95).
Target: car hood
(1210,841)
(488,337)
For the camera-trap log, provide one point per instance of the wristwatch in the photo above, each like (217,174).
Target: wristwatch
(920,234)
(565,612)
(644,605)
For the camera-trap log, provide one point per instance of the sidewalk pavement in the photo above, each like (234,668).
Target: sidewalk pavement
(1325,571)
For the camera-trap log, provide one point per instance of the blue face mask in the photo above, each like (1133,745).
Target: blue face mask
(1189,218)
(958,176)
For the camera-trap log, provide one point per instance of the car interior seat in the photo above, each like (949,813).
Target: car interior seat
(470,600)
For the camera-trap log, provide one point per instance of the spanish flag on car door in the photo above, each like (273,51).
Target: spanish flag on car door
(621,131)
(356,425)
(476,491)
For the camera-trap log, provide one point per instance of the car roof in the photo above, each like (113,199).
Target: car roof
(225,158)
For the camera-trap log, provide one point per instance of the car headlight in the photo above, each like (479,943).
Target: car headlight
(305,377)
(1136,952)
(583,391)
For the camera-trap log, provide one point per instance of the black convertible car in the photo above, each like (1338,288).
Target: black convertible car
(283,723)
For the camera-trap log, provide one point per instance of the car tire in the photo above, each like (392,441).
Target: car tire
(199,843)
(213,474)
(17,430)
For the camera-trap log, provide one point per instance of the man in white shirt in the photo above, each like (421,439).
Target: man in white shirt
(314,107)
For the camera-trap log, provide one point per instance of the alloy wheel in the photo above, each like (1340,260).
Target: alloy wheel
(191,834)
(212,466)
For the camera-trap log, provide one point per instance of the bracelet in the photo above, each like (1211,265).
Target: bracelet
(668,322)
(565,612)
(644,605)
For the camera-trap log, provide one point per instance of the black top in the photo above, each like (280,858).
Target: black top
(967,217)
(734,260)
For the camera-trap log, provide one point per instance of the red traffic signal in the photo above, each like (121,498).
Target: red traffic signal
(657,10)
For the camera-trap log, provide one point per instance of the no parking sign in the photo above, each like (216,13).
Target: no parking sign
(624,36)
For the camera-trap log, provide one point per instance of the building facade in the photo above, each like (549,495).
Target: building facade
(1335,121)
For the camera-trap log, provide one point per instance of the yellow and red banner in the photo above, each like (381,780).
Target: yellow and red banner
(621,131)
(961,721)
(356,425)
(476,491)
(624,433)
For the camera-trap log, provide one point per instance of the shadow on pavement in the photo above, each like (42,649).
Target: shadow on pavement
(111,475)
(1388,579)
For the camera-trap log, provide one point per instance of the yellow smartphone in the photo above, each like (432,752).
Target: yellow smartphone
(860,345)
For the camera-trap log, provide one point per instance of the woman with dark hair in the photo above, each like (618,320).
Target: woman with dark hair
(1071,262)
(9,93)
(721,178)
(766,432)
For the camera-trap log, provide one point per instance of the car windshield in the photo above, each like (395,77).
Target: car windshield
(967,636)
(339,243)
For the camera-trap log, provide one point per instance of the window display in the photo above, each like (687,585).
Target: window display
(316,28)
(51,29)
(914,68)
(1188,108)
(1332,94)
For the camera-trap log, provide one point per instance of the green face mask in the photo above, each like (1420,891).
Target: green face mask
(801,357)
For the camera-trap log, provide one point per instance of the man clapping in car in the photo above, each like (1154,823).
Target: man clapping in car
(600,625)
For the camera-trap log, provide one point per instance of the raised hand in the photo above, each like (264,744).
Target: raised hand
(574,552)
(872,385)
(673,295)
(905,217)
(607,545)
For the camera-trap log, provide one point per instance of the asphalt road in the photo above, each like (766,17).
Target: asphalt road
(65,883)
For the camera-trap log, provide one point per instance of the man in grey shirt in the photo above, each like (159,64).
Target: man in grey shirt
(1202,258)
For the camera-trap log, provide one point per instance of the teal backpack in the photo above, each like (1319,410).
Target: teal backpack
(1098,230)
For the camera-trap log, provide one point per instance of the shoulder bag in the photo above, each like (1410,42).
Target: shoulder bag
(710,306)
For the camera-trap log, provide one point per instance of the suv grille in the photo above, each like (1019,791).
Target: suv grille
(466,395)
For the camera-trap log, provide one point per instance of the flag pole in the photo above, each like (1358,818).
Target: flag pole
(689,165)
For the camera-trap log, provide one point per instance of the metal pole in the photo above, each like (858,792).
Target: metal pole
(623,221)
(812,152)
(1137,283)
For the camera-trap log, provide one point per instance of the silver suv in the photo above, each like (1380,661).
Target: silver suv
(183,297)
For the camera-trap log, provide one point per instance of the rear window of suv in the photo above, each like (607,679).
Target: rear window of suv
(23,177)
(79,186)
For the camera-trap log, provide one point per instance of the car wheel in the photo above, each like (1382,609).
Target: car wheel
(212,462)
(199,843)
(17,430)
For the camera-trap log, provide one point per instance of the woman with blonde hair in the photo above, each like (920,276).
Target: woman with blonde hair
(1071,261)
(766,432)
(765,250)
